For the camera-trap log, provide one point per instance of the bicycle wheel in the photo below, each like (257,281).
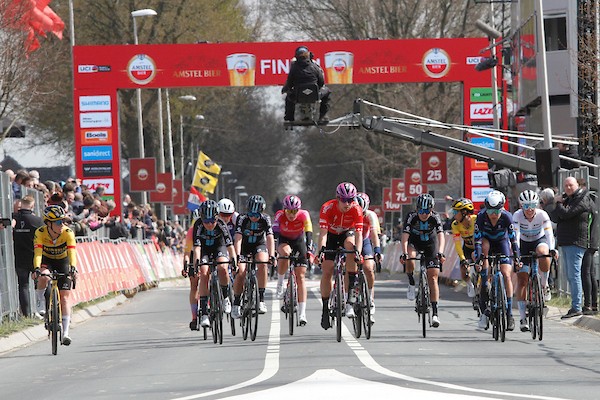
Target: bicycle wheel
(216,313)
(366,307)
(538,305)
(229,318)
(54,319)
(254,310)
(338,306)
(246,310)
(357,321)
(423,301)
(502,310)
(494,317)
(291,302)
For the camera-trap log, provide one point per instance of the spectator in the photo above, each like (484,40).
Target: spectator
(126,200)
(26,224)
(571,215)
(35,176)
(77,204)
(568,151)
(99,191)
(588,270)
(16,185)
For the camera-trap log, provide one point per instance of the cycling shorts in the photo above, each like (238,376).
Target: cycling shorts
(528,248)
(62,267)
(501,247)
(297,245)
(367,248)
(336,241)
(429,252)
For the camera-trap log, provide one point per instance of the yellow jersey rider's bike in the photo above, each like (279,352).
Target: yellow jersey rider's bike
(53,318)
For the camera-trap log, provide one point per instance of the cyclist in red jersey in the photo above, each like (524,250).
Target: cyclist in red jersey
(340,224)
(292,228)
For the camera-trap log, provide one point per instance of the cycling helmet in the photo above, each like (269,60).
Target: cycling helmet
(226,206)
(463,204)
(495,200)
(425,202)
(196,214)
(302,52)
(529,196)
(345,190)
(366,198)
(54,213)
(291,202)
(256,204)
(209,209)
(362,203)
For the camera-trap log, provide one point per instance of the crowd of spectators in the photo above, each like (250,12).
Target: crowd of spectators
(90,210)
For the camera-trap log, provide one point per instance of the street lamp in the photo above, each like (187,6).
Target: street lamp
(492,34)
(235,195)
(146,12)
(222,180)
(186,97)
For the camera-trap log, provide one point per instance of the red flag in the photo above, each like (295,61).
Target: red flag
(34,16)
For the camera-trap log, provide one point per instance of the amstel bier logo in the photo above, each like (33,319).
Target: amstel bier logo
(436,63)
(141,69)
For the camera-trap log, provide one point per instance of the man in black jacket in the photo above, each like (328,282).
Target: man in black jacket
(571,215)
(302,71)
(24,230)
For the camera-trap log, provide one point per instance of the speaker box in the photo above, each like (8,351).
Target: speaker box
(546,167)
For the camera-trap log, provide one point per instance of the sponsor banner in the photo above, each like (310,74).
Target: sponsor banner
(268,63)
(378,210)
(177,198)
(91,69)
(182,209)
(97,169)
(95,120)
(434,167)
(413,182)
(480,178)
(483,95)
(96,153)
(94,103)
(481,111)
(478,194)
(108,183)
(398,191)
(388,203)
(473,60)
(142,174)
(163,192)
(96,136)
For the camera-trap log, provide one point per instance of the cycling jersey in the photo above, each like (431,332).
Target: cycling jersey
(459,231)
(211,240)
(292,229)
(189,240)
(253,233)
(54,249)
(337,222)
(370,223)
(422,232)
(231,223)
(531,231)
(499,234)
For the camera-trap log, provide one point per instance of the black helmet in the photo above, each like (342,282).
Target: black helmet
(425,202)
(209,209)
(256,204)
(302,52)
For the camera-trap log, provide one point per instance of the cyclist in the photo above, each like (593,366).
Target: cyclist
(423,231)
(534,234)
(194,278)
(212,241)
(292,228)
(340,225)
(371,247)
(54,249)
(463,227)
(228,214)
(495,234)
(253,238)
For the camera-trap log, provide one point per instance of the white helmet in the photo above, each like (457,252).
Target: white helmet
(529,196)
(226,206)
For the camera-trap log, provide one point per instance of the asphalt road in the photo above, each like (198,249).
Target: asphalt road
(144,349)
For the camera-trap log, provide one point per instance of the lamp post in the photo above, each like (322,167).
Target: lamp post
(493,34)
(187,97)
(235,195)
(241,194)
(222,180)
(146,12)
(230,181)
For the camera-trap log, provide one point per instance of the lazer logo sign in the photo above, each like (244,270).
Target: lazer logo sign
(482,111)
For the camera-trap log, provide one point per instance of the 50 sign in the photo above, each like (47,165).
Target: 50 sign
(412,181)
(434,167)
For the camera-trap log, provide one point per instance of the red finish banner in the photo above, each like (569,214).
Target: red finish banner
(260,64)
(142,174)
(163,193)
(434,168)
(413,183)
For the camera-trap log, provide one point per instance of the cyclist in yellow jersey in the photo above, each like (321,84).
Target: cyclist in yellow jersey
(54,249)
(463,229)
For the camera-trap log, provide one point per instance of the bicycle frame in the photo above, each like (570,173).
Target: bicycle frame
(422,298)
(362,305)
(337,301)
(497,299)
(215,300)
(534,297)
(290,299)
(53,318)
(250,300)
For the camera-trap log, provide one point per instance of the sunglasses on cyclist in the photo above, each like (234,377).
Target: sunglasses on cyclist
(529,206)
(254,215)
(59,222)
(292,211)
(491,211)
(423,211)
(209,220)
(346,200)
(225,214)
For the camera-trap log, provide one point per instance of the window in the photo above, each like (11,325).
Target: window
(555,29)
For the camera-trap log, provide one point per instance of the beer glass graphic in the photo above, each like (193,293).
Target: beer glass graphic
(339,66)
(241,67)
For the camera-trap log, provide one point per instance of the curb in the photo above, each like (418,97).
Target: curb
(38,332)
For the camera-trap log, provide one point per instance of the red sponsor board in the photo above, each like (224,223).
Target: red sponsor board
(163,192)
(434,167)
(142,174)
(398,191)
(182,209)
(177,193)
(388,203)
(378,210)
(412,181)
